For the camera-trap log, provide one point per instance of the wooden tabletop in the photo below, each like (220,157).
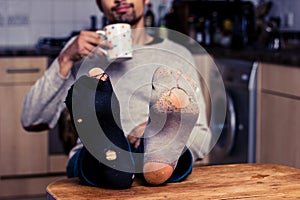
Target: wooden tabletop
(238,181)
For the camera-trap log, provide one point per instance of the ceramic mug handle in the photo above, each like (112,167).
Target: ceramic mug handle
(102,34)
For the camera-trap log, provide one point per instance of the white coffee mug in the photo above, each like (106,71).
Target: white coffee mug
(119,35)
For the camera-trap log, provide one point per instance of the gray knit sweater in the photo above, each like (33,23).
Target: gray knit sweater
(131,80)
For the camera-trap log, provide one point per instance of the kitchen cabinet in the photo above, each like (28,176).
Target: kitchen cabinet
(278,114)
(21,152)
(24,159)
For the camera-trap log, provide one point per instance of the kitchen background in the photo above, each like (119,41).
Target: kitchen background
(22,23)
(255,125)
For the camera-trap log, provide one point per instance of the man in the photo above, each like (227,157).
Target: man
(45,100)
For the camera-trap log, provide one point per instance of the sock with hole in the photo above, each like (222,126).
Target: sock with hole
(95,114)
(173,114)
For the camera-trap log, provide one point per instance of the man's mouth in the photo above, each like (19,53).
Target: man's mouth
(122,8)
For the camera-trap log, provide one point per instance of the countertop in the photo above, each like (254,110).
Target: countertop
(236,181)
(284,56)
(28,51)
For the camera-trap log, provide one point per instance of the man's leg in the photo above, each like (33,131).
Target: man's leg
(115,168)
(173,114)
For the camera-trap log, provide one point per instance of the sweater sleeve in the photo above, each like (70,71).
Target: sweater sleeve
(45,100)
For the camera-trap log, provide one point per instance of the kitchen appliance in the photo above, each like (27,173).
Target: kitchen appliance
(236,143)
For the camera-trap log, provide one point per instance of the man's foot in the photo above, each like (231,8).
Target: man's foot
(173,114)
(95,112)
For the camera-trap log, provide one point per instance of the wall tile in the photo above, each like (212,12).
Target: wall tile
(3,12)
(41,11)
(83,10)
(18,36)
(62,29)
(63,10)
(3,37)
(82,25)
(38,30)
(19,7)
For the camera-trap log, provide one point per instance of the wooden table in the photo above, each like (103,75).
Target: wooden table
(238,181)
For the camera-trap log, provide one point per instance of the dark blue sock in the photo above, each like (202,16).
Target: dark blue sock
(106,158)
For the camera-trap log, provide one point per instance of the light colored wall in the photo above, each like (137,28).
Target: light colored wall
(22,22)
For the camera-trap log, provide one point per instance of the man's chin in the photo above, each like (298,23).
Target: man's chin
(128,18)
(124,19)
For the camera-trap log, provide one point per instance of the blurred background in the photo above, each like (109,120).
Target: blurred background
(254,43)
(24,22)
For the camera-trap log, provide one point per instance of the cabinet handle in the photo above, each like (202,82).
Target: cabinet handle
(24,70)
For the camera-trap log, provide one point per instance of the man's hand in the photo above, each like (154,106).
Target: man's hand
(85,44)
(135,135)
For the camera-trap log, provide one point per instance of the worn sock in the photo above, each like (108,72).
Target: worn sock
(173,114)
(95,113)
